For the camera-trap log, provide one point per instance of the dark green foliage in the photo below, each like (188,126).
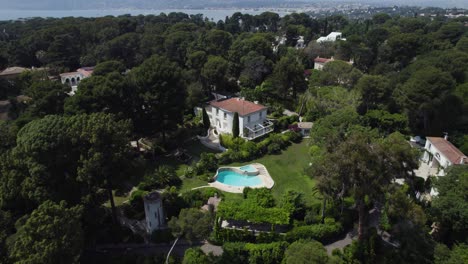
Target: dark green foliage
(52,234)
(260,196)
(195,256)
(304,251)
(192,224)
(450,207)
(320,232)
(161,177)
(206,120)
(235,125)
(208,163)
(249,210)
(253,253)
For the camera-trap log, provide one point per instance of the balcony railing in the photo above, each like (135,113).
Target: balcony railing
(258,130)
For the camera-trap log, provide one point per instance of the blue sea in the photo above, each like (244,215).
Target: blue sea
(212,14)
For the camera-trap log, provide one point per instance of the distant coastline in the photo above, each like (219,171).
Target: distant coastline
(212,14)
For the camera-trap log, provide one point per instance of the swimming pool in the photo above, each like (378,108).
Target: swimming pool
(248,168)
(231,177)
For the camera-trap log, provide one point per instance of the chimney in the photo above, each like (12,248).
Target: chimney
(255,102)
(445,135)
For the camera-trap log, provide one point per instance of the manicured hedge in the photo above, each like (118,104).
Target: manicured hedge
(252,212)
(271,253)
(320,232)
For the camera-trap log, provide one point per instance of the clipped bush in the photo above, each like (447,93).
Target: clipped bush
(274,148)
(320,232)
(137,196)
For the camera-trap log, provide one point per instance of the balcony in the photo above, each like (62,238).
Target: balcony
(257,130)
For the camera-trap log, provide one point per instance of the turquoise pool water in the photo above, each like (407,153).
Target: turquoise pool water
(248,168)
(235,179)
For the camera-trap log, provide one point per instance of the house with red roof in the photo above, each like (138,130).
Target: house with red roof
(74,78)
(441,154)
(253,122)
(319,63)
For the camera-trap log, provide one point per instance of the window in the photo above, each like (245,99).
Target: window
(225,116)
(217,111)
(248,119)
(260,114)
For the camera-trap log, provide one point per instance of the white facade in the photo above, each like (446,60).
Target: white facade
(154,213)
(251,125)
(334,36)
(435,157)
(222,120)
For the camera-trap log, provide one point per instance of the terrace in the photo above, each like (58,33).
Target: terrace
(258,130)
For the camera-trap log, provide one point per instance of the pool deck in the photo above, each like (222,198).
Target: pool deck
(263,174)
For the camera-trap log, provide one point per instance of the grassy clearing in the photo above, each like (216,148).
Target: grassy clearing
(288,171)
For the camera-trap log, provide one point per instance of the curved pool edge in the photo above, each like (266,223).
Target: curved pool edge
(262,173)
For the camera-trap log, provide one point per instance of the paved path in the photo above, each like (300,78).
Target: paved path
(340,244)
(208,248)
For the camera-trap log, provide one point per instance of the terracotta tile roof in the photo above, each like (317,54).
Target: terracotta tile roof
(66,74)
(447,149)
(322,60)
(242,107)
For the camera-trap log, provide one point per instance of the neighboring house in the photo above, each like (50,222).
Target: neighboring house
(319,63)
(304,128)
(12,72)
(440,154)
(253,122)
(334,36)
(300,44)
(154,213)
(74,78)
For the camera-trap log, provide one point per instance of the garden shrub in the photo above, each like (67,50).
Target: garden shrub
(260,196)
(320,232)
(199,197)
(162,176)
(266,253)
(208,163)
(250,211)
(274,148)
(271,253)
(137,196)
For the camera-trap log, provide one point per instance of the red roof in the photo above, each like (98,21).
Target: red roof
(446,148)
(322,60)
(242,107)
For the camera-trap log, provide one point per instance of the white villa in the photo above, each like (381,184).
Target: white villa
(74,78)
(252,117)
(334,36)
(440,154)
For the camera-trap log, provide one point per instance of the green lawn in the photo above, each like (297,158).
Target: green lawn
(288,171)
